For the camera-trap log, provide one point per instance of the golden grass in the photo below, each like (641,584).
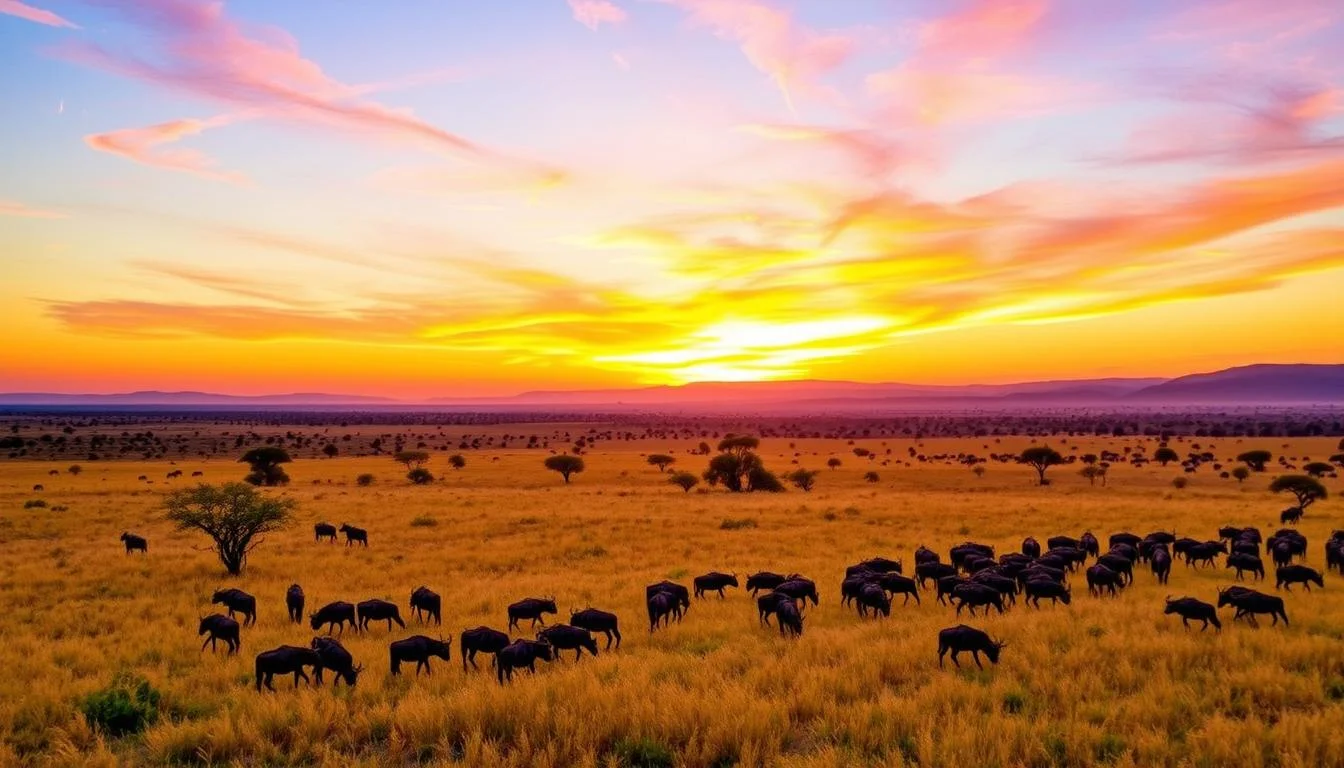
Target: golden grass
(1102,682)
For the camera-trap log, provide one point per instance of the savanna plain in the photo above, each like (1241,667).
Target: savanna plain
(1103,681)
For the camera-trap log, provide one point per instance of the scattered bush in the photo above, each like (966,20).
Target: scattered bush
(35,504)
(127,705)
(457,461)
(424,521)
(1014,702)
(642,753)
(1179,482)
(365,479)
(420,476)
(565,464)
(684,480)
(731,524)
(871,477)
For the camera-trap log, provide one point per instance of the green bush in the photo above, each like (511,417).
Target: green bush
(642,753)
(127,705)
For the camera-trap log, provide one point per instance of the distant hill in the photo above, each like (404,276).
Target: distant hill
(189,399)
(1252,384)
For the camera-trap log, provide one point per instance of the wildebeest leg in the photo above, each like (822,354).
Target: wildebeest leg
(578,652)
(975,654)
(513,622)
(942,651)
(269,676)
(1284,614)
(955,652)
(720,593)
(1206,625)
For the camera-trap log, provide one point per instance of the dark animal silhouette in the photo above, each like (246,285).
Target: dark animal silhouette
(713,582)
(896,584)
(1089,544)
(563,637)
(594,620)
(379,610)
(1291,515)
(237,601)
(1036,571)
(769,603)
(661,607)
(285,660)
(134,543)
(764,580)
(935,571)
(419,649)
(1124,538)
(1005,586)
(426,603)
(519,654)
(324,531)
(1031,547)
(881,565)
(790,618)
(946,585)
(1249,602)
(353,534)
(335,657)
(680,594)
(481,640)
(294,603)
(1057,542)
(1204,552)
(1123,566)
(1160,562)
(1286,576)
(1189,608)
(925,555)
(962,638)
(533,608)
(874,598)
(972,595)
(1054,591)
(1100,577)
(336,614)
(799,589)
(1243,562)
(220,627)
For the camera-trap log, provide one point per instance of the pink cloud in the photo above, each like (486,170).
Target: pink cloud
(19,210)
(25,11)
(146,146)
(792,55)
(988,28)
(594,13)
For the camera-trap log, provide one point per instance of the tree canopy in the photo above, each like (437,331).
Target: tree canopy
(1318,469)
(1307,490)
(1165,456)
(684,480)
(661,460)
(1256,460)
(265,463)
(235,516)
(1041,458)
(803,479)
(565,464)
(1241,473)
(412,459)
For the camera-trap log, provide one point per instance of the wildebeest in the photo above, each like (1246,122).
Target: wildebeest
(960,552)
(1243,562)
(353,534)
(925,555)
(800,589)
(1286,576)
(1036,571)
(1160,562)
(426,602)
(220,627)
(533,608)
(764,580)
(334,615)
(1004,585)
(935,571)
(1334,555)
(1089,544)
(1246,547)
(134,542)
(881,565)
(287,659)
(853,585)
(962,638)
(1286,544)
(680,594)
(1161,537)
(481,640)
(1124,538)
(335,657)
(1249,602)
(945,585)
(1204,552)
(1055,542)
(769,603)
(1101,577)
(594,620)
(324,531)
(873,597)
(1056,592)
(294,603)
(1189,608)
(379,610)
(419,649)
(1031,547)
(976,596)
(661,608)
(790,619)
(1291,515)
(1120,564)
(563,637)
(713,582)
(237,601)
(896,584)
(519,654)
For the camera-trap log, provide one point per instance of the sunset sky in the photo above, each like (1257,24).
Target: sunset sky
(473,198)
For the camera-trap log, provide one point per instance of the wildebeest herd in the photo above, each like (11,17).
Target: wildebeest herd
(972,578)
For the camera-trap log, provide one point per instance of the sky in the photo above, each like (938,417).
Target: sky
(450,197)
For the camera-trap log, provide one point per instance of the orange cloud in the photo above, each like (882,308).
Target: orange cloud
(38,15)
(146,146)
(594,13)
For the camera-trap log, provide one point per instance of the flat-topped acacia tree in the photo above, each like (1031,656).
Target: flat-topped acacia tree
(265,463)
(565,464)
(235,516)
(1041,458)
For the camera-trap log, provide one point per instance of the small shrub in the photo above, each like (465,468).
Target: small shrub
(1179,482)
(642,753)
(35,504)
(871,477)
(1014,702)
(830,515)
(424,521)
(420,476)
(1334,690)
(1109,749)
(733,524)
(364,479)
(60,508)
(127,705)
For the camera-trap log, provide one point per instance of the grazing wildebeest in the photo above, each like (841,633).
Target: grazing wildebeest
(379,610)
(1204,553)
(1120,564)
(1282,552)
(285,660)
(519,654)
(881,565)
(1056,542)
(874,597)
(976,596)
(1053,559)
(1130,553)
(661,607)
(960,552)
(769,603)
(1334,555)
(799,589)
(594,620)
(764,580)
(1286,576)
(335,657)
(935,571)
(1291,515)
(896,584)
(563,637)
(220,627)
(1249,602)
(294,603)
(1036,571)
(1099,576)
(963,638)
(976,563)
(1056,592)
(1230,532)
(680,594)
(1244,562)
(334,615)
(946,585)
(1072,557)
(134,542)
(1089,544)
(1182,545)
(1189,608)
(419,649)
(426,602)
(324,531)
(713,582)
(1161,537)
(353,534)
(1005,586)
(1161,564)
(237,601)
(1124,538)
(1246,547)
(790,618)
(852,586)
(1031,547)
(533,608)
(481,640)
(925,555)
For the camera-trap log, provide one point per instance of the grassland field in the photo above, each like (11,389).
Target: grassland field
(1100,682)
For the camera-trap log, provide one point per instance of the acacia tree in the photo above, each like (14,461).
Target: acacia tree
(833,463)
(1318,469)
(457,461)
(234,515)
(330,450)
(684,480)
(1256,460)
(660,460)
(412,459)
(803,479)
(1241,473)
(1165,456)
(565,464)
(265,463)
(1041,458)
(1308,490)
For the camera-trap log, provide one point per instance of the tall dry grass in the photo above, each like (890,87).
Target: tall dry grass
(1103,682)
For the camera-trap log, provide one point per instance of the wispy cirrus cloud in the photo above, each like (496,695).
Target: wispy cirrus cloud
(33,14)
(149,146)
(594,13)
(23,211)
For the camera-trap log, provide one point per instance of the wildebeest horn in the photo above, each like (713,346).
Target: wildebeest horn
(1168,598)
(359,669)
